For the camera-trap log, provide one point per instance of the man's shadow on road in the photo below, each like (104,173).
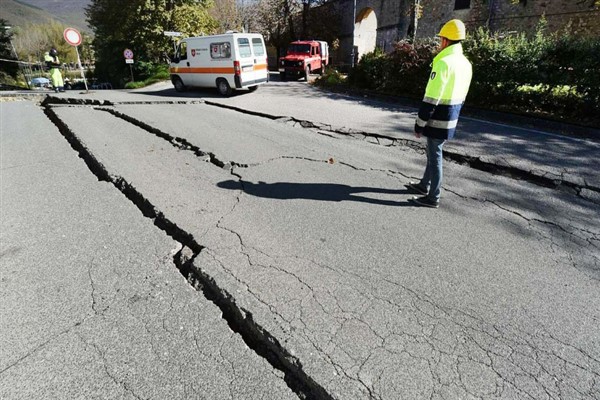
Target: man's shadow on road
(315,191)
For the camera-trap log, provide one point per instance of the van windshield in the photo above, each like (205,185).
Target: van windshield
(299,49)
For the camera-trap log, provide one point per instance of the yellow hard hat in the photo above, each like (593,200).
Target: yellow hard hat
(453,30)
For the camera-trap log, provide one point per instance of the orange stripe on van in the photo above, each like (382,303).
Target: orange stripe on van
(260,67)
(211,70)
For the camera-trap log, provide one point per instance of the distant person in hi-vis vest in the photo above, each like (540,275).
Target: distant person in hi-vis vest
(54,65)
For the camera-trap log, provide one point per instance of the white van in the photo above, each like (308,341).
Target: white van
(229,61)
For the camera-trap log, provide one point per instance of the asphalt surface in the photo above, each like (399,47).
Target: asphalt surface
(92,304)
(305,242)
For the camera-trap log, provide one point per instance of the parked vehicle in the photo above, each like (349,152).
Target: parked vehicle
(40,82)
(303,58)
(227,62)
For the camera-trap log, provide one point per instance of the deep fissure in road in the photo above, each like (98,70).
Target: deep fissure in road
(472,162)
(240,321)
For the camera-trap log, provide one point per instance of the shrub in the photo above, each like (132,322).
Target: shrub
(371,70)
(550,74)
(332,77)
(404,71)
(148,74)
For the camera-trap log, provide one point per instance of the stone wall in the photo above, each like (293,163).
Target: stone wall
(393,18)
(582,17)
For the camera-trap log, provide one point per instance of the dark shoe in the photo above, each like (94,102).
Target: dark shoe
(425,202)
(415,187)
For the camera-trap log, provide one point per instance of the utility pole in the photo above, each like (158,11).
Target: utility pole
(353,33)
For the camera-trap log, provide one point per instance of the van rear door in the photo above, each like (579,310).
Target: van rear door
(252,61)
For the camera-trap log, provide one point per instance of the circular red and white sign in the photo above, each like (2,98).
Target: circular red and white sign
(128,54)
(72,36)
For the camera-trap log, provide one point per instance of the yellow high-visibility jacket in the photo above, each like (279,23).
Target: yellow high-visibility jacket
(445,95)
(55,74)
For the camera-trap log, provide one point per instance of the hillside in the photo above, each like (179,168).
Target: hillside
(18,14)
(69,12)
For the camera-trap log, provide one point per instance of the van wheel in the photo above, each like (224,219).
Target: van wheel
(178,83)
(307,72)
(223,87)
(253,88)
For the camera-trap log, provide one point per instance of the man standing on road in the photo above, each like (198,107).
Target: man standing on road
(438,115)
(54,65)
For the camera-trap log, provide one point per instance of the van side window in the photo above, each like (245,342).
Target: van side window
(220,50)
(258,47)
(244,45)
(182,51)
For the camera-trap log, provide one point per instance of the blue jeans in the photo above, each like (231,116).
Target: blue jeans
(432,178)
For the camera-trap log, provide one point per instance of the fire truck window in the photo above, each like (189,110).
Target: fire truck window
(182,51)
(258,47)
(220,50)
(244,45)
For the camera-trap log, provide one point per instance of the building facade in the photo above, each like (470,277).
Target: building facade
(381,23)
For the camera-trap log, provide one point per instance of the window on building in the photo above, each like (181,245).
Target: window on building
(462,4)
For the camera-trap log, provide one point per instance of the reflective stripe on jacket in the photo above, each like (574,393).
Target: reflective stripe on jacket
(446,91)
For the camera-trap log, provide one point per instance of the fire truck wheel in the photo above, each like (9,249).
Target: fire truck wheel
(178,83)
(223,87)
(307,72)
(283,77)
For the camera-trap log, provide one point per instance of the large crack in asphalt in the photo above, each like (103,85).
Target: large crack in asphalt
(239,320)
(183,144)
(540,178)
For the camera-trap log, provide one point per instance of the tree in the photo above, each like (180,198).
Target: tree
(228,15)
(33,40)
(6,52)
(276,22)
(139,25)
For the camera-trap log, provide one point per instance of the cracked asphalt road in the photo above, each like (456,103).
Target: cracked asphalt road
(311,250)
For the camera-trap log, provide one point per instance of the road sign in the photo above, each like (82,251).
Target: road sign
(174,34)
(128,54)
(72,36)
(129,61)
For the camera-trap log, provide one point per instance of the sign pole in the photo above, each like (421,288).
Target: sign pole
(81,68)
(73,37)
(128,54)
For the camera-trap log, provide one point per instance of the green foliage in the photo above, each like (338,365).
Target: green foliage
(7,69)
(139,25)
(33,40)
(388,72)
(331,77)
(548,74)
(147,74)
